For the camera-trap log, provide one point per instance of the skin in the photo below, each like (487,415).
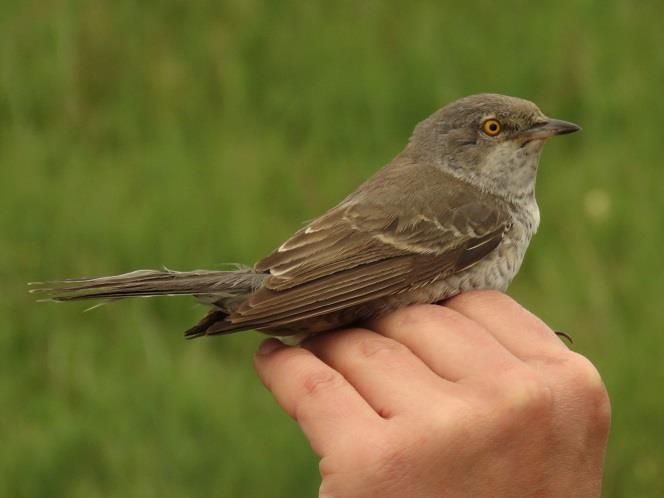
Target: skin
(475,398)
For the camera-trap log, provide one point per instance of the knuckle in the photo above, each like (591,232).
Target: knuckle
(314,383)
(601,415)
(580,388)
(327,467)
(373,347)
(528,394)
(584,372)
(589,389)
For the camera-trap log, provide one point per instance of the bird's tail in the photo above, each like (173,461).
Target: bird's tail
(207,285)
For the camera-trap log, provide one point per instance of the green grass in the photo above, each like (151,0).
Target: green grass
(188,134)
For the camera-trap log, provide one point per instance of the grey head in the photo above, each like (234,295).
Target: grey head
(491,141)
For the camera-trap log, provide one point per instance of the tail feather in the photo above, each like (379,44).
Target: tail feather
(143,283)
(201,328)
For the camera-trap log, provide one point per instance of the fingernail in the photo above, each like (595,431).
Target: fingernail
(269,346)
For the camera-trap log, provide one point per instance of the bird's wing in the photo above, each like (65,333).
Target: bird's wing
(359,252)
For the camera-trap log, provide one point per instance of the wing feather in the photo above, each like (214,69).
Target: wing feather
(362,251)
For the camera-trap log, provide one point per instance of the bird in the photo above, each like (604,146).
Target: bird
(454,211)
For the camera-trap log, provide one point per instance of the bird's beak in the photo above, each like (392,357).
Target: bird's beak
(549,128)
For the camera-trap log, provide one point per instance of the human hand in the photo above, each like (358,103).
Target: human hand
(475,398)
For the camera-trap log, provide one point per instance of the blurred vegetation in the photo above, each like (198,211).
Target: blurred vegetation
(188,134)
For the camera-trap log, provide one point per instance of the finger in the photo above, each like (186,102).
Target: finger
(327,407)
(452,345)
(385,372)
(521,332)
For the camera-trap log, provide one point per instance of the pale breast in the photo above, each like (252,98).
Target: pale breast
(497,270)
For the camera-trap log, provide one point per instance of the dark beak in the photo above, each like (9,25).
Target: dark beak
(550,128)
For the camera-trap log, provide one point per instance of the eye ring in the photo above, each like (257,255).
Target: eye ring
(492,127)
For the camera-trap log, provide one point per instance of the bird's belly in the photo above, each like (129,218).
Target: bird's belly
(495,271)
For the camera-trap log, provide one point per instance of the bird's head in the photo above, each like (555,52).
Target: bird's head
(492,141)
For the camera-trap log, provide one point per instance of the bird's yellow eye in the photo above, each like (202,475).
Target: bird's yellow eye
(491,127)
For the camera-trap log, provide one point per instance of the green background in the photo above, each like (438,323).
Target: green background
(188,134)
